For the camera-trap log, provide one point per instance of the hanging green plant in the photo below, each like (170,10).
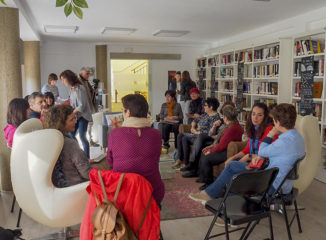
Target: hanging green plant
(70,6)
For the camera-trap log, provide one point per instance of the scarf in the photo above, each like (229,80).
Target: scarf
(221,133)
(136,122)
(170,108)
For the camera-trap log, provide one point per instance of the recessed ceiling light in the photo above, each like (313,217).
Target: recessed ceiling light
(170,33)
(115,30)
(60,29)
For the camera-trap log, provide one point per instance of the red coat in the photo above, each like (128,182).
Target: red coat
(132,201)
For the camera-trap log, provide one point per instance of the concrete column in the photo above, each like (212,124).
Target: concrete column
(10,81)
(32,66)
(102,69)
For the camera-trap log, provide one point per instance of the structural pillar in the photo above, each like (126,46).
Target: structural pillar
(32,66)
(102,69)
(10,81)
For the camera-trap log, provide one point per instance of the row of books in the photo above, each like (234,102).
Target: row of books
(267,53)
(243,116)
(201,63)
(225,98)
(243,57)
(204,73)
(317,110)
(226,72)
(305,47)
(318,68)
(266,70)
(267,101)
(246,87)
(317,89)
(227,86)
(214,61)
(266,88)
(227,59)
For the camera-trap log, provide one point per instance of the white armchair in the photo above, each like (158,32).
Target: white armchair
(33,156)
(308,127)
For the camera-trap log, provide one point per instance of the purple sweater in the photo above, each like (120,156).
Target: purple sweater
(131,153)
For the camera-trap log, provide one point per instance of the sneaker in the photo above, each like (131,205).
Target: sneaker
(220,222)
(166,145)
(201,197)
(177,164)
(94,144)
(186,168)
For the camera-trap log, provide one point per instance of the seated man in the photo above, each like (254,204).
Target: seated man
(196,107)
(282,154)
(37,104)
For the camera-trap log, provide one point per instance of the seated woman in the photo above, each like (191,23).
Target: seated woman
(257,128)
(203,140)
(282,154)
(171,116)
(73,165)
(196,106)
(201,125)
(18,111)
(49,99)
(216,153)
(136,147)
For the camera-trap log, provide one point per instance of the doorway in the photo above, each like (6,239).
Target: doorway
(128,77)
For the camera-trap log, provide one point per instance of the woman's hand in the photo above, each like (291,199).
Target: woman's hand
(273,132)
(207,149)
(255,159)
(228,161)
(217,123)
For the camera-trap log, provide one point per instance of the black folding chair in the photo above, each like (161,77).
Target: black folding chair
(237,207)
(288,199)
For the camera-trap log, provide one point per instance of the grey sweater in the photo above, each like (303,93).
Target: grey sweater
(79,101)
(72,166)
(53,89)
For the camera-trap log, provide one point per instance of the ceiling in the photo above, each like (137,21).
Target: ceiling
(207,20)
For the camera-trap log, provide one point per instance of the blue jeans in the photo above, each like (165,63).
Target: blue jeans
(81,126)
(232,169)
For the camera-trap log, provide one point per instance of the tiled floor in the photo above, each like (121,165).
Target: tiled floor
(313,221)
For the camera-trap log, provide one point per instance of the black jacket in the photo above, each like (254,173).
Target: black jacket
(184,90)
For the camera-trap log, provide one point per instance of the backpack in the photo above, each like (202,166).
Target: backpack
(109,223)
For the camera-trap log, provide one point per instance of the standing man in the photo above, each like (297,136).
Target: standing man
(36,104)
(91,97)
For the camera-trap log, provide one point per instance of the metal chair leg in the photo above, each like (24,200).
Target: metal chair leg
(161,235)
(19,216)
(286,220)
(211,227)
(271,227)
(13,204)
(297,216)
(245,231)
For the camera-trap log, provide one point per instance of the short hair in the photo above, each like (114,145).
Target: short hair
(227,103)
(31,98)
(230,113)
(71,77)
(212,102)
(52,77)
(284,113)
(57,116)
(178,73)
(49,95)
(17,111)
(171,93)
(86,69)
(136,104)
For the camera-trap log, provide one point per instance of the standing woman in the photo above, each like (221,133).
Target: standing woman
(79,101)
(18,111)
(186,85)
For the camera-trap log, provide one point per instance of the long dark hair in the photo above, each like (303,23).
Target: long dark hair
(250,127)
(186,76)
(71,77)
(17,111)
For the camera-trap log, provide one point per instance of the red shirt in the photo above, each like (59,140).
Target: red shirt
(246,150)
(233,133)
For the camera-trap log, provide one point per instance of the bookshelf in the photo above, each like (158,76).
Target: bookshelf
(304,46)
(262,74)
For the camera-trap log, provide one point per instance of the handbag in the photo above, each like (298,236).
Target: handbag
(260,165)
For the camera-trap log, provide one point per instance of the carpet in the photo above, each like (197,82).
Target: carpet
(176,203)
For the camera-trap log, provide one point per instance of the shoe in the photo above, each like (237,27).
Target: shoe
(177,164)
(203,187)
(186,168)
(94,144)
(201,197)
(220,222)
(190,174)
(166,145)
(200,180)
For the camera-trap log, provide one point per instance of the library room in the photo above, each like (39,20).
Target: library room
(162,120)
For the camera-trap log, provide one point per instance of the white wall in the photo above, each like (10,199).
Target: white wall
(57,56)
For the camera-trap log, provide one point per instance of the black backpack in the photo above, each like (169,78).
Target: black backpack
(8,234)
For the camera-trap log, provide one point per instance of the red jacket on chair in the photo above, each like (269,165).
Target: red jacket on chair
(132,201)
